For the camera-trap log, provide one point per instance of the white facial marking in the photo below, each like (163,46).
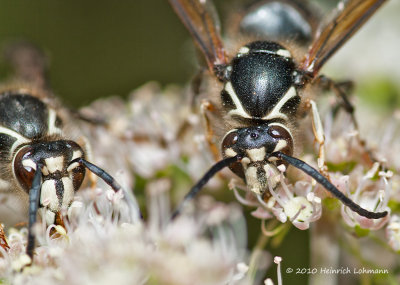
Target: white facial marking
(280,145)
(50,217)
(68,191)
(52,123)
(243,51)
(284,53)
(239,108)
(252,180)
(18,138)
(276,111)
(230,152)
(29,163)
(72,166)
(281,168)
(245,161)
(49,193)
(54,163)
(45,202)
(45,171)
(76,154)
(256,154)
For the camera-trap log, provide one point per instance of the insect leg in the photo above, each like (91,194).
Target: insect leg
(3,241)
(341,89)
(34,194)
(318,131)
(196,86)
(206,108)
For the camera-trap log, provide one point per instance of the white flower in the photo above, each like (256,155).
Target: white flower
(99,248)
(368,196)
(297,204)
(393,232)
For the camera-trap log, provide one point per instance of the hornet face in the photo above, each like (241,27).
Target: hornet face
(61,177)
(43,163)
(254,145)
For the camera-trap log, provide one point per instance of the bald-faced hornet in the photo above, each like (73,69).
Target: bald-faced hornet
(262,87)
(38,162)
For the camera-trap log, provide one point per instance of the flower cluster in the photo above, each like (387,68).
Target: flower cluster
(371,185)
(105,240)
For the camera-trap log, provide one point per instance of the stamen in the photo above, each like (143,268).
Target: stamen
(285,188)
(272,233)
(242,200)
(278,261)
(275,195)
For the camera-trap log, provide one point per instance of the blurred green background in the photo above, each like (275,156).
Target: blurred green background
(99,48)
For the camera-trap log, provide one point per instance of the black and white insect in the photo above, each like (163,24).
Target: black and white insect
(38,162)
(263,86)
